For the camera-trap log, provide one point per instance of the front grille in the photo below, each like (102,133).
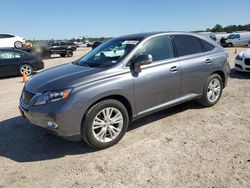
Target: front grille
(247,61)
(27,96)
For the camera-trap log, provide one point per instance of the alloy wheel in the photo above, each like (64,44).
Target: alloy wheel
(107,124)
(26,69)
(214,90)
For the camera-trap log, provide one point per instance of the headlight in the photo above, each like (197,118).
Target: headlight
(52,96)
(239,57)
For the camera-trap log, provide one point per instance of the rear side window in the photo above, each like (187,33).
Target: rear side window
(159,47)
(207,46)
(187,45)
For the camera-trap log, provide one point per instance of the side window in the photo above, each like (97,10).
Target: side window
(159,47)
(6,36)
(207,46)
(63,43)
(232,36)
(7,55)
(187,45)
(237,36)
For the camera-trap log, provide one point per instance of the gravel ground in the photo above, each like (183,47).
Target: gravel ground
(185,146)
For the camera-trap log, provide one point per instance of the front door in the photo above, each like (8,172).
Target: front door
(160,81)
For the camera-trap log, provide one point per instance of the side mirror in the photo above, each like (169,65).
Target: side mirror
(142,59)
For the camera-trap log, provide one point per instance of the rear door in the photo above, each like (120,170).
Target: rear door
(196,63)
(159,82)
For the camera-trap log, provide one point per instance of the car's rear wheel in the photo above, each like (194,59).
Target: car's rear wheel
(69,53)
(26,69)
(212,90)
(105,124)
(230,44)
(18,44)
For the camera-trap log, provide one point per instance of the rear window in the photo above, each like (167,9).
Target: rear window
(207,46)
(187,45)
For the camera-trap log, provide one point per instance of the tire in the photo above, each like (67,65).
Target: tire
(206,99)
(18,44)
(69,53)
(62,55)
(27,69)
(95,114)
(230,45)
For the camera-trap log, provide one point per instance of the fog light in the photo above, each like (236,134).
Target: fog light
(52,125)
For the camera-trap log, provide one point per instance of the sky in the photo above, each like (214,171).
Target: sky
(60,19)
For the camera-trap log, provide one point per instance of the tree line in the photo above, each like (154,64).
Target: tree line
(229,29)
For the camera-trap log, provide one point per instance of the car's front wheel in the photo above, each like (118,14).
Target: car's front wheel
(26,69)
(105,123)
(212,90)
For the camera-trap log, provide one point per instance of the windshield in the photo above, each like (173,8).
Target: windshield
(109,53)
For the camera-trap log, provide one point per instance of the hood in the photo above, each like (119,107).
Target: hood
(247,53)
(61,77)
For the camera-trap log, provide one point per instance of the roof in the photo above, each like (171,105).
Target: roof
(141,36)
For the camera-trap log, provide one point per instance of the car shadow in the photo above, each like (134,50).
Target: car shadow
(23,142)
(164,113)
(239,75)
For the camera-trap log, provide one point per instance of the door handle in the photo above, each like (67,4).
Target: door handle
(174,69)
(208,61)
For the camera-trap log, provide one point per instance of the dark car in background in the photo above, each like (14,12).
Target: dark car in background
(62,48)
(17,62)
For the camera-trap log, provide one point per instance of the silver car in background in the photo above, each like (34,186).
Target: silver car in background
(96,97)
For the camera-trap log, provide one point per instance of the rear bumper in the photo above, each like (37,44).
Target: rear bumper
(38,66)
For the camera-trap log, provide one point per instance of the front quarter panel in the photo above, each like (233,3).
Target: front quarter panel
(85,96)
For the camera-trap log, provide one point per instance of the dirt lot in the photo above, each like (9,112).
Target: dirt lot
(185,146)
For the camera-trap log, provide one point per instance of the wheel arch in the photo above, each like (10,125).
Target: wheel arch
(222,75)
(117,97)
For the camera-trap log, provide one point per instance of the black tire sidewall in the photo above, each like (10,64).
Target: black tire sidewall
(204,98)
(87,133)
(69,53)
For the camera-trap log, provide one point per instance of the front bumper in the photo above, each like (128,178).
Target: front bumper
(43,115)
(241,66)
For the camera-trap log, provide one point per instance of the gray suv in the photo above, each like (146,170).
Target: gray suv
(96,97)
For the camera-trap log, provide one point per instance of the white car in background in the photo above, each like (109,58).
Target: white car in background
(238,39)
(242,61)
(11,41)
